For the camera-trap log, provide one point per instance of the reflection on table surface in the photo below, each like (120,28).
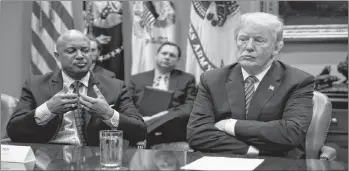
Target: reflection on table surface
(65,157)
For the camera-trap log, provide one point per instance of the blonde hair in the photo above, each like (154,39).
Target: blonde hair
(270,21)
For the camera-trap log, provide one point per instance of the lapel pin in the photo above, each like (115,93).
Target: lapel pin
(271,88)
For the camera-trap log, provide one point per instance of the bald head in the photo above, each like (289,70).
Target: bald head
(68,36)
(73,50)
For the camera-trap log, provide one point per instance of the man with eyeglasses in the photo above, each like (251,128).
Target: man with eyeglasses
(71,105)
(257,106)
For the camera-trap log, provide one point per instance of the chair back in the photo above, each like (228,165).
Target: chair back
(320,123)
(8,105)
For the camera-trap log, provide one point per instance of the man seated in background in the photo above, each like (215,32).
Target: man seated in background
(71,105)
(166,77)
(257,106)
(96,48)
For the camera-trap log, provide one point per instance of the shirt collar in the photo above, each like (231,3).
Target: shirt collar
(259,76)
(68,80)
(157,74)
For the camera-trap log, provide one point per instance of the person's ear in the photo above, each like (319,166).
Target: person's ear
(278,47)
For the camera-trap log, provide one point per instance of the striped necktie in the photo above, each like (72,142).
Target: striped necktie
(249,91)
(79,114)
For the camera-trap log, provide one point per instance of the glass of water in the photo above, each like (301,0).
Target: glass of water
(111,148)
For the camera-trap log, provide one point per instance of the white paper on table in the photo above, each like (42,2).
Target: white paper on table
(223,163)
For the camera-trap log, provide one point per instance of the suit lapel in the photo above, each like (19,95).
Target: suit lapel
(265,91)
(56,83)
(173,80)
(148,79)
(235,90)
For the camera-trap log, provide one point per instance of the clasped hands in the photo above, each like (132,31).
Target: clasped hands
(63,102)
(226,125)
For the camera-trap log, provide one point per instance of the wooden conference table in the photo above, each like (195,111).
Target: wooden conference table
(63,157)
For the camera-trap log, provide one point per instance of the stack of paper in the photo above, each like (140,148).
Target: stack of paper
(223,163)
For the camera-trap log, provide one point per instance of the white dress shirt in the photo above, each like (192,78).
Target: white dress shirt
(67,133)
(259,76)
(162,83)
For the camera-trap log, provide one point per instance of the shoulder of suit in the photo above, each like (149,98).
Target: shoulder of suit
(141,74)
(109,73)
(108,80)
(219,72)
(294,72)
(183,73)
(41,78)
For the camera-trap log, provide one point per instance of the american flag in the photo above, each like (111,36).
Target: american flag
(147,17)
(49,20)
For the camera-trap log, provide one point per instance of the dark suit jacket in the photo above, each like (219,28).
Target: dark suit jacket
(279,115)
(40,88)
(184,87)
(101,71)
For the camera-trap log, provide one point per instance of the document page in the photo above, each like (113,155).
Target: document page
(223,163)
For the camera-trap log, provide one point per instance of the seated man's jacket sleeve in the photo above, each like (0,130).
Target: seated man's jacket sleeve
(286,133)
(202,135)
(22,126)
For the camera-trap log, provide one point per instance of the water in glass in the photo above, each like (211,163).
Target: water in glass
(111,151)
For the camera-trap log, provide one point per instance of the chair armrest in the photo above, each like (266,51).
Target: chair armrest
(328,153)
(5,140)
(142,144)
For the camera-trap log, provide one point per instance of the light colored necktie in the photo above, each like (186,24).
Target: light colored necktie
(162,82)
(249,91)
(79,114)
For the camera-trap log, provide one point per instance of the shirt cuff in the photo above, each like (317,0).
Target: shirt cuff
(113,122)
(252,151)
(43,115)
(229,126)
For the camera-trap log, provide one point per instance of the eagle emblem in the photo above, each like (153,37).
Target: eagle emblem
(215,11)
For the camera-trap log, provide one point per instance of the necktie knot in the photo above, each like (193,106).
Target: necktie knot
(251,79)
(161,82)
(76,86)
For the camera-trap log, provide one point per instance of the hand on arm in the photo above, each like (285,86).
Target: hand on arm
(202,135)
(228,126)
(286,133)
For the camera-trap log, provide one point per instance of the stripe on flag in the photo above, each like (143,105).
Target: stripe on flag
(49,20)
(147,16)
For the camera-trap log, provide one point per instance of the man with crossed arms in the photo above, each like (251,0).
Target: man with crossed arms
(257,106)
